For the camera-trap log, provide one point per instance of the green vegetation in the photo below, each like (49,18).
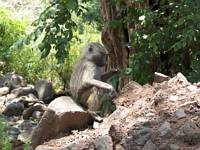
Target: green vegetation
(11,30)
(26,60)
(4,139)
(166,38)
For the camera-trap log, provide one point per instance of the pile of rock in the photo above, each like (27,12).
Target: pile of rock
(35,112)
(17,98)
(161,116)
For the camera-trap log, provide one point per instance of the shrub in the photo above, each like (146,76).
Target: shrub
(166,38)
(11,30)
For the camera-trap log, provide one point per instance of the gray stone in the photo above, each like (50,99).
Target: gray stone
(165,129)
(137,138)
(149,146)
(29,112)
(189,133)
(14,109)
(180,113)
(23,91)
(44,90)
(62,114)
(174,147)
(143,135)
(13,130)
(26,124)
(104,143)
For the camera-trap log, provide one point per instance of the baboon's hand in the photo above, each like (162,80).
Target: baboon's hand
(112,92)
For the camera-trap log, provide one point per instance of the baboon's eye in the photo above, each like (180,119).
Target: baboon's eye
(90,49)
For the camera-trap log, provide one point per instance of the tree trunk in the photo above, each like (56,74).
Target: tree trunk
(115,39)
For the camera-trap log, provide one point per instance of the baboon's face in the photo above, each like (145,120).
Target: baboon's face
(98,56)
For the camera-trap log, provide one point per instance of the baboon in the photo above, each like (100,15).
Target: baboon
(87,77)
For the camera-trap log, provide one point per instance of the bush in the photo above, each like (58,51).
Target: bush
(166,38)
(11,30)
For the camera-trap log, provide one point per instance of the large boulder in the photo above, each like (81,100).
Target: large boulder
(45,91)
(62,114)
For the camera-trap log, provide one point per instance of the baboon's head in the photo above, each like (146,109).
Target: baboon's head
(96,53)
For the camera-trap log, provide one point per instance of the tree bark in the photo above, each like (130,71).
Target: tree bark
(115,39)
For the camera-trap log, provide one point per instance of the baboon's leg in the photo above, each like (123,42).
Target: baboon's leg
(93,102)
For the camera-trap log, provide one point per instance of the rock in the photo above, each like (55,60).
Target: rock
(73,146)
(62,114)
(118,147)
(130,86)
(13,132)
(165,129)
(198,84)
(137,138)
(121,113)
(115,134)
(104,143)
(26,125)
(96,125)
(159,77)
(192,88)
(179,80)
(23,91)
(24,137)
(142,136)
(10,96)
(12,81)
(2,104)
(37,115)
(174,147)
(189,133)
(180,113)
(159,97)
(30,111)
(173,98)
(44,90)
(149,146)
(14,109)
(4,91)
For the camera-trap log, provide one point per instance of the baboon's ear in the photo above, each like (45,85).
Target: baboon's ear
(90,49)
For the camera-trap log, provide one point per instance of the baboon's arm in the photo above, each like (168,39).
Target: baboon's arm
(109,74)
(97,83)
